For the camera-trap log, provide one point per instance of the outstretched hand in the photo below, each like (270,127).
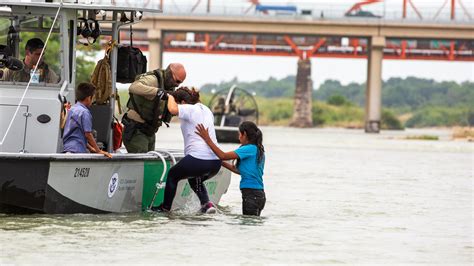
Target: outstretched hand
(202,132)
(106,154)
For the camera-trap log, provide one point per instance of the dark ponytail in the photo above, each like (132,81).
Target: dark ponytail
(254,136)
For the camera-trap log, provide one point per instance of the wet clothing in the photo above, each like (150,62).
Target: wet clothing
(253,201)
(145,112)
(45,74)
(250,169)
(78,122)
(196,171)
(251,182)
(200,163)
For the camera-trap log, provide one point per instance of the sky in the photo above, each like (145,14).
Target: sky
(206,68)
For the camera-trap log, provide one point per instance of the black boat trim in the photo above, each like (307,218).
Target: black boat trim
(56,203)
(24,186)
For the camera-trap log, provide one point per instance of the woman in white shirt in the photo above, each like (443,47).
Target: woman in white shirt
(199,163)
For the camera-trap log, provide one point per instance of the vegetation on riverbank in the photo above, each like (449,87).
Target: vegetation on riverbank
(422,137)
(463,133)
(410,102)
(424,103)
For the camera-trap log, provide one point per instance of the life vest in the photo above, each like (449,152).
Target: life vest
(154,112)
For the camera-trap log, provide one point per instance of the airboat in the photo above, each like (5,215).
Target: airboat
(231,107)
(35,176)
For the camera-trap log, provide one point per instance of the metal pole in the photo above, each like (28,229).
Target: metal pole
(404,9)
(453,9)
(113,64)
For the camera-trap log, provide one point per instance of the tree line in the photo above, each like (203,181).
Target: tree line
(417,102)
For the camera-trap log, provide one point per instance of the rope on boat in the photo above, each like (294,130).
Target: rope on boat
(159,185)
(29,82)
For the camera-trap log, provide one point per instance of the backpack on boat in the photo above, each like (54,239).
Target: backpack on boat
(132,62)
(102,80)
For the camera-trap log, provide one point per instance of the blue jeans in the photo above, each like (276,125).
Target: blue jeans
(196,171)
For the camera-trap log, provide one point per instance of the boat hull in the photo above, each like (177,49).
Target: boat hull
(90,183)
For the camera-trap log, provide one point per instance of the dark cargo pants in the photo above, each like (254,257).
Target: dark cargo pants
(253,201)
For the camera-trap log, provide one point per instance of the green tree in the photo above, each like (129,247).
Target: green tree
(337,100)
(85,62)
(438,116)
(390,121)
(470,118)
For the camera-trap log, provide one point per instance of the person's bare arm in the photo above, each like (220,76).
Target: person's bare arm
(93,145)
(231,167)
(172,105)
(90,148)
(204,133)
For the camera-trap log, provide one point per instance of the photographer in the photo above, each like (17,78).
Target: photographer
(33,50)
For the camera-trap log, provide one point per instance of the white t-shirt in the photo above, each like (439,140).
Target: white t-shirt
(191,115)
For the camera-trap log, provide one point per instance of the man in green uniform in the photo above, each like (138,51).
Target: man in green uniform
(32,53)
(147,106)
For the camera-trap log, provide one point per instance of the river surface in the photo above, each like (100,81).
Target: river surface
(333,196)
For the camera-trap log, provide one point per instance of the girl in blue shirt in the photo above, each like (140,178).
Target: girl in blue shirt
(250,164)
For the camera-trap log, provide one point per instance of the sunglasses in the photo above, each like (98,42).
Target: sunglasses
(175,79)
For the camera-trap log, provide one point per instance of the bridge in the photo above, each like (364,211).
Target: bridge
(306,34)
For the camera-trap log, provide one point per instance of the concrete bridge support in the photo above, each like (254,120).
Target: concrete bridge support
(155,49)
(302,115)
(373,99)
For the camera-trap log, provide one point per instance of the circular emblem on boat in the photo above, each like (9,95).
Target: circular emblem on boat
(113,185)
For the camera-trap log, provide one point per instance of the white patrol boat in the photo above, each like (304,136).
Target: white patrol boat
(35,176)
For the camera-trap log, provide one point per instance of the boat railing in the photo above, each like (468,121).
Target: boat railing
(86,156)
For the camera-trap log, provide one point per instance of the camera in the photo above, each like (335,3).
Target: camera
(6,59)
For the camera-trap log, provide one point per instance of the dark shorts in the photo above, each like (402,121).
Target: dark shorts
(253,201)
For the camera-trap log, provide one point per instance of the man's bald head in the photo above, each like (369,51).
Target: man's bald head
(179,72)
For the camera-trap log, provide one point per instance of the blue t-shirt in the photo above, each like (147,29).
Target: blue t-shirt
(78,122)
(250,170)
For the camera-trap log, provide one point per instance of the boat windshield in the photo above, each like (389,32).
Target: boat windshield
(23,38)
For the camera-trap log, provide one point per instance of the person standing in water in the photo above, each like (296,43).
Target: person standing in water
(250,158)
(199,162)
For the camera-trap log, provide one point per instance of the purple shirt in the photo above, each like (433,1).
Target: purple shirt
(78,122)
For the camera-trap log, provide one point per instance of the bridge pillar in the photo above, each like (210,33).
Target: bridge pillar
(302,115)
(373,93)
(154,49)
